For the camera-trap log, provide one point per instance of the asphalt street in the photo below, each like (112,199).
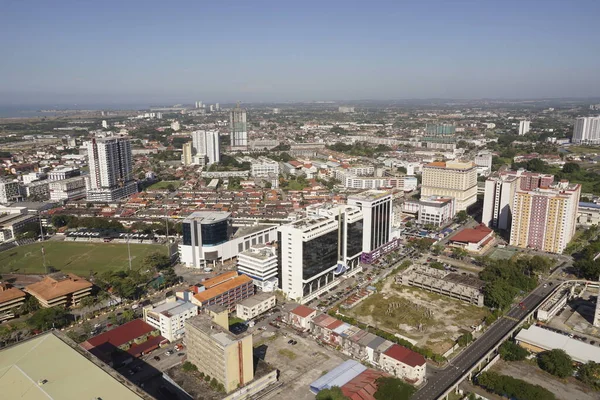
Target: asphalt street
(444,379)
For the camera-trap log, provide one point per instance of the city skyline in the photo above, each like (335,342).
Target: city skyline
(79,53)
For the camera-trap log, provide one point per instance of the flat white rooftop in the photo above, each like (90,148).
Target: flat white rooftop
(548,340)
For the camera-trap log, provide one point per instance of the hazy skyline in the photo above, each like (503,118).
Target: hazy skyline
(151,52)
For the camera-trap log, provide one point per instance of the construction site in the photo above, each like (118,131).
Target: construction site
(461,287)
(423,317)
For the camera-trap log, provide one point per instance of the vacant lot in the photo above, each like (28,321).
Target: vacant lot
(78,258)
(164,185)
(566,389)
(584,149)
(432,320)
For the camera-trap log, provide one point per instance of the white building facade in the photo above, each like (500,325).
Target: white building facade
(587,130)
(524,127)
(260,263)
(206,143)
(170,316)
(208,238)
(316,251)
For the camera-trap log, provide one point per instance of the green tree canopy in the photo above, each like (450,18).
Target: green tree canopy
(46,318)
(590,374)
(334,393)
(513,388)
(510,351)
(393,389)
(556,362)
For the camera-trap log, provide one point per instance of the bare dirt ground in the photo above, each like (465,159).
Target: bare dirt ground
(299,364)
(566,389)
(432,320)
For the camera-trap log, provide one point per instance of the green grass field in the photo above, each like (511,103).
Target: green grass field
(164,184)
(76,257)
(583,149)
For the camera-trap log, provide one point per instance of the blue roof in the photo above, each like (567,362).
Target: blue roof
(339,376)
(589,205)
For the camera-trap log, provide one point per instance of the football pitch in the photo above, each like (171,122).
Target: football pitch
(76,257)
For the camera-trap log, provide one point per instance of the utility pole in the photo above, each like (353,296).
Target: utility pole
(129,253)
(42,239)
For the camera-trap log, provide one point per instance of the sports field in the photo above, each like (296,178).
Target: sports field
(79,258)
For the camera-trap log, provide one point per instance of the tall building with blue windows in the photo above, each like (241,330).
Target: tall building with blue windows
(209,238)
(315,252)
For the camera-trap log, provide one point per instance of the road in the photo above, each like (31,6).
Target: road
(443,379)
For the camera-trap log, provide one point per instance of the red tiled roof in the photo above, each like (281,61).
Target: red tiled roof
(334,324)
(122,334)
(405,355)
(303,311)
(474,235)
(363,386)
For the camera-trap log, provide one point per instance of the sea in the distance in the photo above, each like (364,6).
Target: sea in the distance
(31,111)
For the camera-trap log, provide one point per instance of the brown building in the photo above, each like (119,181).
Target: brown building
(60,290)
(10,298)
(226,289)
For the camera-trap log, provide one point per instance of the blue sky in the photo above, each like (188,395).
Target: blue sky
(160,52)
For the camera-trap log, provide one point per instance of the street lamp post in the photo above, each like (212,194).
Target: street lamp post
(167,230)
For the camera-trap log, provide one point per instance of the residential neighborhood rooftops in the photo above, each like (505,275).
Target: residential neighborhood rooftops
(122,334)
(363,386)
(405,356)
(339,376)
(303,311)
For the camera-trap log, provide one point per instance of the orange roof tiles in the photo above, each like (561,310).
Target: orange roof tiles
(363,386)
(437,164)
(222,288)
(50,288)
(474,235)
(303,311)
(9,293)
(210,282)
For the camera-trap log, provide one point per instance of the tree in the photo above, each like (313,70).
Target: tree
(157,260)
(462,216)
(539,264)
(465,339)
(189,367)
(512,388)
(499,294)
(437,265)
(437,249)
(393,389)
(510,351)
(333,393)
(556,362)
(589,374)
(31,304)
(570,168)
(46,318)
(459,253)
(171,188)
(128,315)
